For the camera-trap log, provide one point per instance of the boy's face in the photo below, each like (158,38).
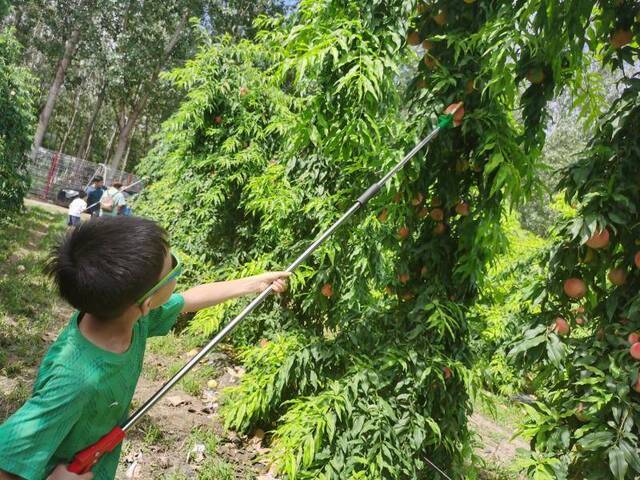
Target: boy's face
(162,295)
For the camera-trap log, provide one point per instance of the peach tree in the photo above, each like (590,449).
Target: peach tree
(579,345)
(364,370)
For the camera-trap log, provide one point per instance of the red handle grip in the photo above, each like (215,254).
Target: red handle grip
(87,458)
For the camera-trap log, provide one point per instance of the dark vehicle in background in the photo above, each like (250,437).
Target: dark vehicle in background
(65,196)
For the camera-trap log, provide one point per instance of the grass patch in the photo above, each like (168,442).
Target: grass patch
(206,437)
(216,469)
(195,381)
(11,402)
(154,372)
(152,434)
(213,467)
(173,345)
(28,299)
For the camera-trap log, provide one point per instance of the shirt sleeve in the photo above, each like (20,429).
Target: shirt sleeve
(31,436)
(162,319)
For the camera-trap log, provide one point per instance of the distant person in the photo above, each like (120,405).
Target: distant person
(76,207)
(94,194)
(113,201)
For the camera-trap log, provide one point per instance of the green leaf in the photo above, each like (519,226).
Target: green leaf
(617,463)
(596,440)
(556,350)
(526,345)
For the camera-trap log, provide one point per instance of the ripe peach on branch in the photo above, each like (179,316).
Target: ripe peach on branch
(575,288)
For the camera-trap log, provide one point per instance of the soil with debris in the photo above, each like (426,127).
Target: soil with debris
(176,417)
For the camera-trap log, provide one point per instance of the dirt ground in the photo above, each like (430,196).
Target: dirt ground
(172,441)
(182,437)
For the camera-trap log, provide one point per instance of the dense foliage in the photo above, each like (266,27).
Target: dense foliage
(364,371)
(16,124)
(267,151)
(591,411)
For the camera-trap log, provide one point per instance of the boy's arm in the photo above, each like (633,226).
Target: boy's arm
(210,294)
(31,436)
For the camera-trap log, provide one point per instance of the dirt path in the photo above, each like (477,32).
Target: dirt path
(497,448)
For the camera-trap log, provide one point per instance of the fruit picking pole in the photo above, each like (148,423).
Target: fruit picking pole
(84,460)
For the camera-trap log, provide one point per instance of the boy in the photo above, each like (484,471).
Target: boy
(76,207)
(94,194)
(87,378)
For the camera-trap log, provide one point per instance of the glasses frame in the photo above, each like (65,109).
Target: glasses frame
(175,272)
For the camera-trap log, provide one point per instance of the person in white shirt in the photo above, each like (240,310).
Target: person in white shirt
(76,208)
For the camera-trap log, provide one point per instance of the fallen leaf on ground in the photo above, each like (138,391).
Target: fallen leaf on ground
(176,400)
(134,470)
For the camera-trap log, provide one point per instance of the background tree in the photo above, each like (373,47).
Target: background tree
(117,58)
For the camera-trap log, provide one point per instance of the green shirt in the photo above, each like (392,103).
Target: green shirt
(81,393)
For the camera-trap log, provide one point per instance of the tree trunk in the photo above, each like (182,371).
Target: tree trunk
(127,127)
(84,142)
(125,132)
(76,105)
(109,147)
(126,155)
(54,90)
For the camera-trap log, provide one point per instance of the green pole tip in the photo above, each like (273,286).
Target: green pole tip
(445,121)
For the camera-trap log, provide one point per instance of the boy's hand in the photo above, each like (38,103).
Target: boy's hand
(210,294)
(61,473)
(261,282)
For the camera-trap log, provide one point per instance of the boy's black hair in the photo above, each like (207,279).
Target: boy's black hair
(97,179)
(104,265)
(82,194)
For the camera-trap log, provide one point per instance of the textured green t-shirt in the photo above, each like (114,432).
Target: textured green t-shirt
(81,393)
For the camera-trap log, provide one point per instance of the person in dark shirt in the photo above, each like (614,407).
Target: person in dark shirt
(94,194)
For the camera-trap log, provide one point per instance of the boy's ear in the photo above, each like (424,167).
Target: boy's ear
(145,307)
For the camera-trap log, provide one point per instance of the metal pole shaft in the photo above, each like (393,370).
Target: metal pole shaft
(260,298)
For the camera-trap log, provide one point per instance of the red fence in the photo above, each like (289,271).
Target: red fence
(52,172)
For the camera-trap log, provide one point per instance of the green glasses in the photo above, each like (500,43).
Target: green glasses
(176,270)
